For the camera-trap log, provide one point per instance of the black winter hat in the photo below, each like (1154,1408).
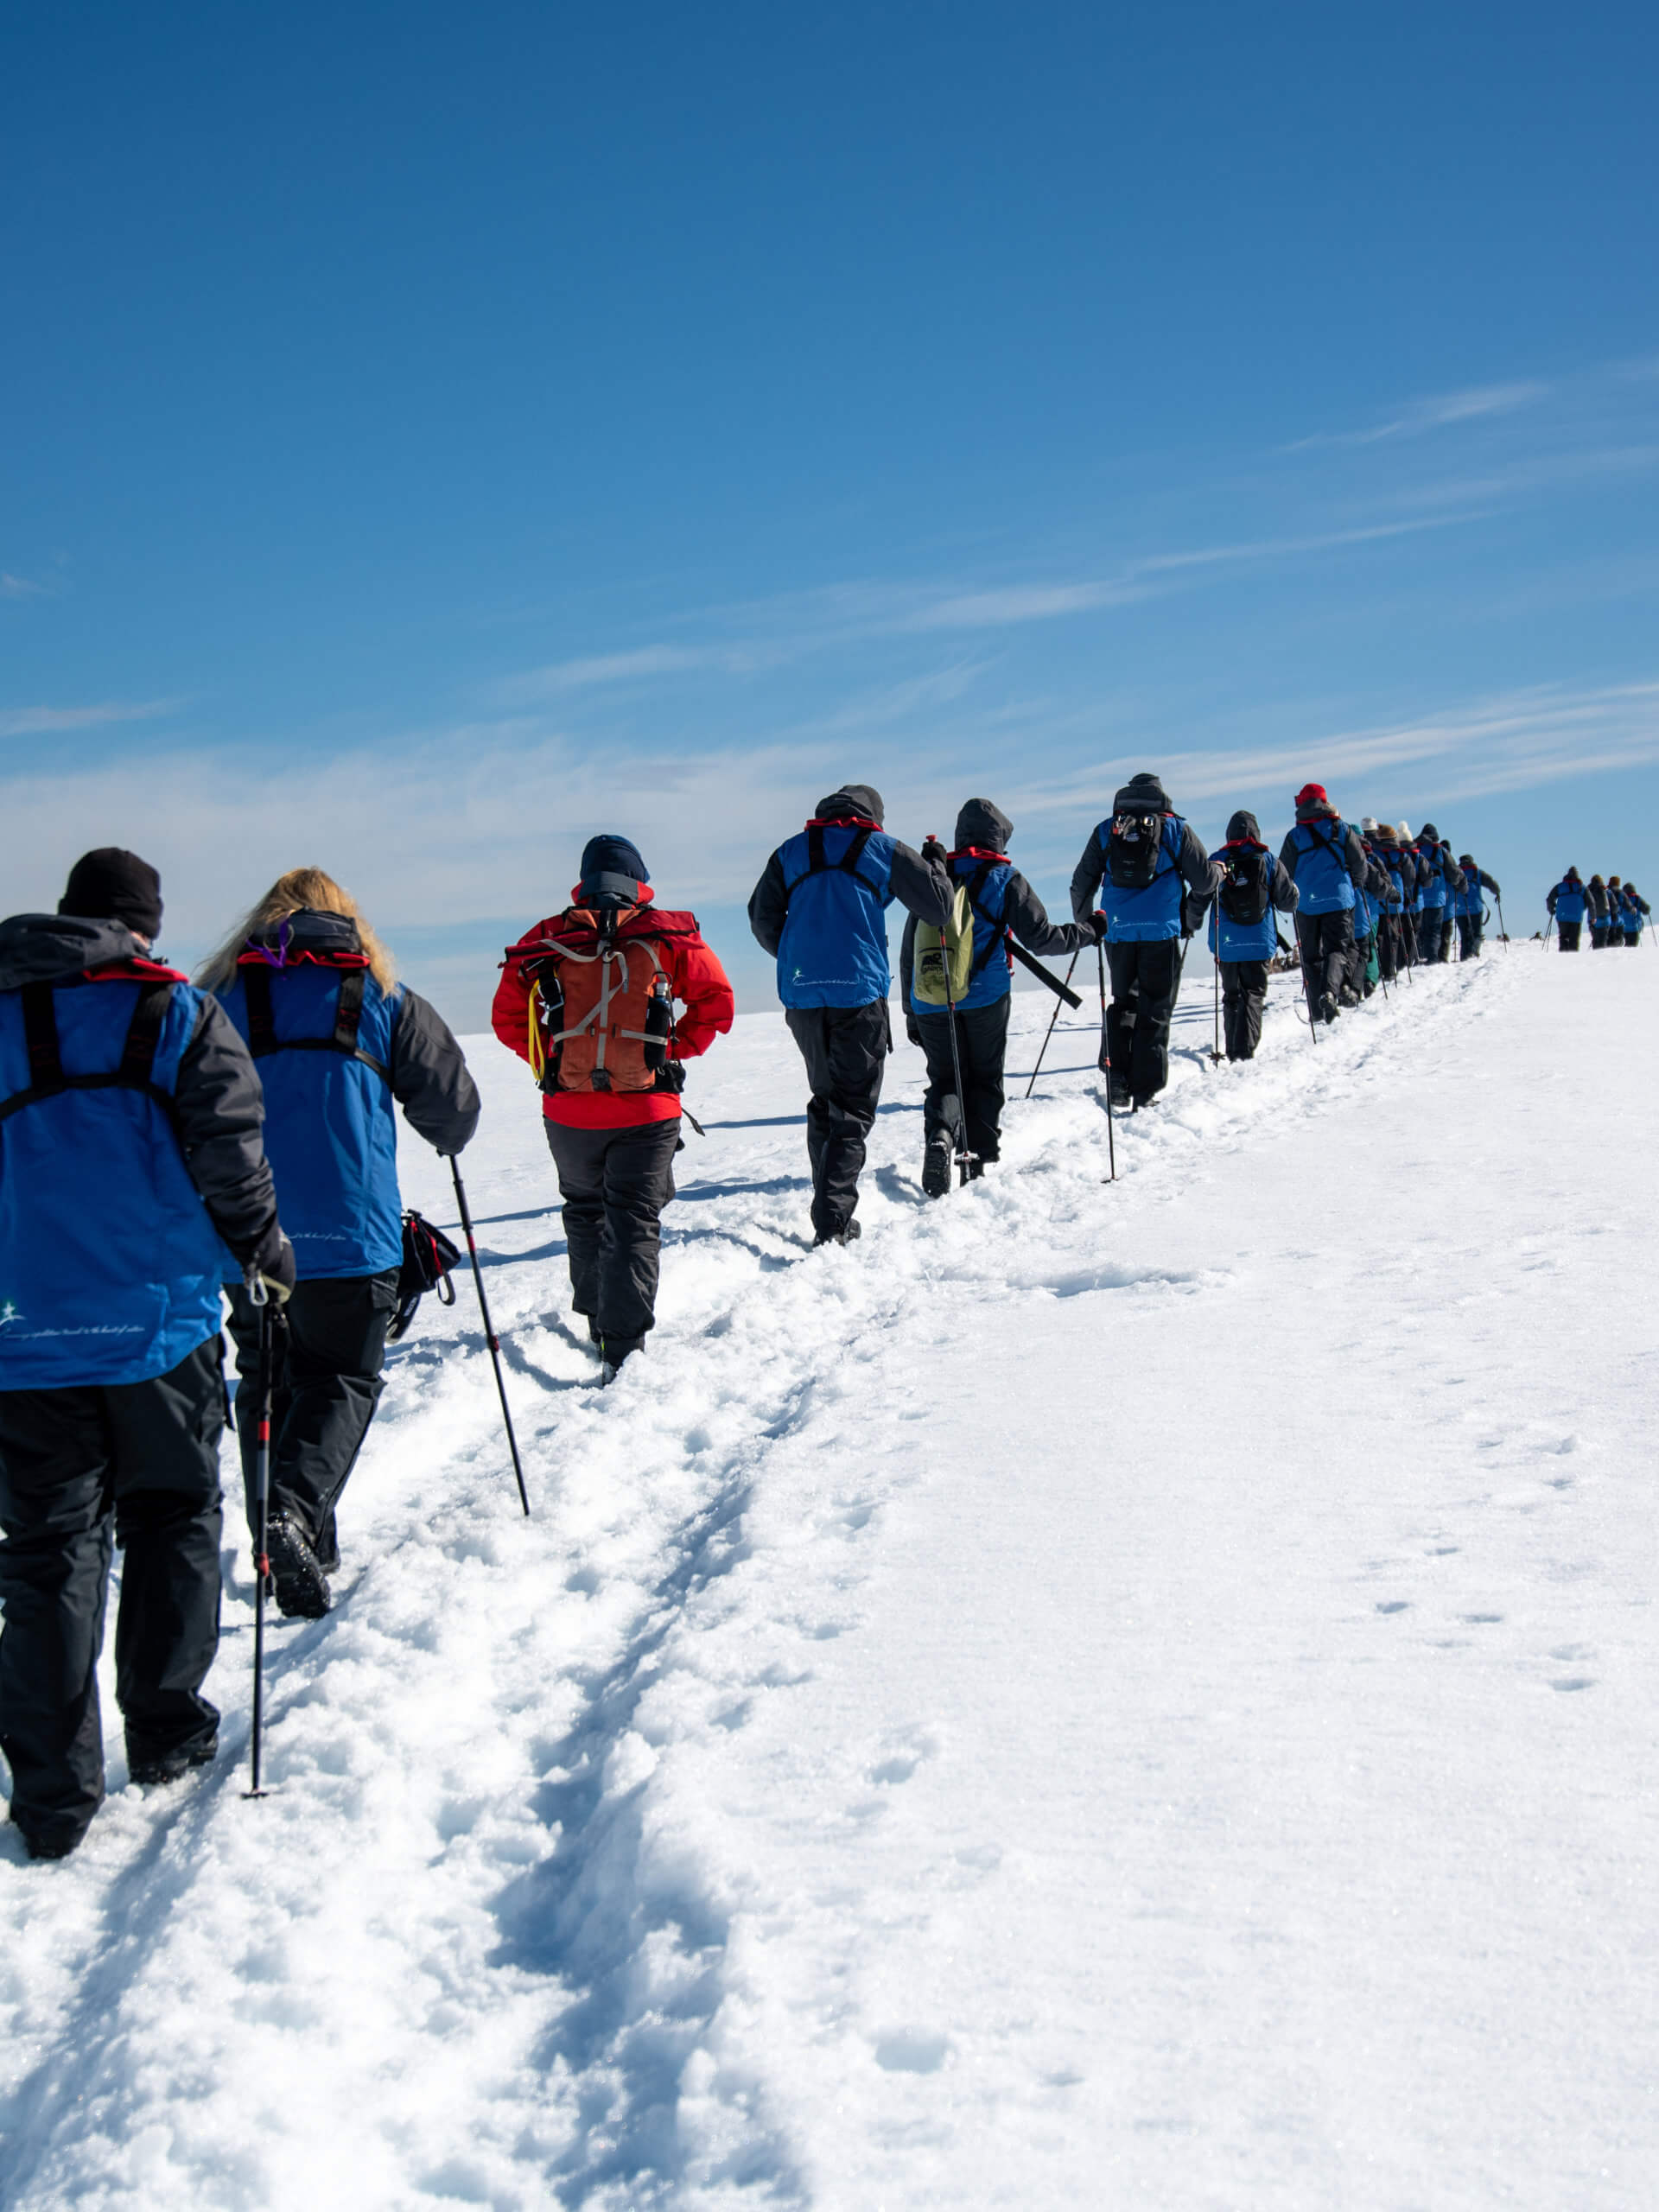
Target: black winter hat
(862,799)
(982,824)
(113,885)
(1142,794)
(612,867)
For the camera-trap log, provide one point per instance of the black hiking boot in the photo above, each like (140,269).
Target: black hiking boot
(614,1352)
(848,1234)
(936,1167)
(303,1592)
(155,1769)
(1123,1096)
(1328,1009)
(50,1840)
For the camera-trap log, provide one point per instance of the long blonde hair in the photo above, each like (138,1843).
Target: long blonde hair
(301,890)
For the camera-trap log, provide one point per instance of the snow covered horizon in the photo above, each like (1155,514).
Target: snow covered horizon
(1135,1695)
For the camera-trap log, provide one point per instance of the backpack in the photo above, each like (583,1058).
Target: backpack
(1246,885)
(601,1004)
(1133,850)
(943,965)
(428,1257)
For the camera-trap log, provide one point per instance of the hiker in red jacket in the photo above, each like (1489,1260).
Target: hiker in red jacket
(587,998)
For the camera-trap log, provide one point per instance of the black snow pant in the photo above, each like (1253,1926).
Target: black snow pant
(1244,994)
(1568,935)
(1388,955)
(1409,955)
(616,1183)
(83,1469)
(1145,978)
(1358,960)
(844,1048)
(1448,929)
(982,1044)
(329,1346)
(1470,928)
(1326,941)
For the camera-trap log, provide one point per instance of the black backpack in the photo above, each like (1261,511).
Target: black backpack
(428,1257)
(1133,850)
(1246,885)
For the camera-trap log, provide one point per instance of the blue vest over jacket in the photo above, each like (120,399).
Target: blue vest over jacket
(110,1264)
(834,947)
(331,1135)
(1153,911)
(1322,875)
(1570,901)
(1242,940)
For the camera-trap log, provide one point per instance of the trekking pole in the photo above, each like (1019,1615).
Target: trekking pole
(1106,1064)
(1049,1031)
(489,1332)
(1215,947)
(260,1297)
(1308,990)
(965,1159)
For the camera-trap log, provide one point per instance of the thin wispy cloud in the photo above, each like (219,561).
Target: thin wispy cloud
(43,721)
(535,685)
(1425,415)
(15,587)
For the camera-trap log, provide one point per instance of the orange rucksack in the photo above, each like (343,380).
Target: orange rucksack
(601,1004)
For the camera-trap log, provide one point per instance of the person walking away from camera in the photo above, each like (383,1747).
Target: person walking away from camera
(1471,905)
(1384,847)
(1597,901)
(1413,874)
(820,908)
(133,1181)
(1324,858)
(1001,902)
(1249,884)
(1615,910)
(1152,876)
(588,998)
(339,1042)
(1369,896)
(1568,902)
(1636,911)
(1438,876)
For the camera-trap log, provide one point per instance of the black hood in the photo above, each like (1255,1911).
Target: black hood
(1243,825)
(1430,832)
(862,799)
(310,930)
(1142,794)
(982,824)
(45,947)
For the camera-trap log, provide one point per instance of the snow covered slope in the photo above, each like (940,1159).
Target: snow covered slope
(1136,1696)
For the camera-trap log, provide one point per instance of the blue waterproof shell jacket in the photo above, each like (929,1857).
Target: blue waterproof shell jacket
(1144,914)
(1319,866)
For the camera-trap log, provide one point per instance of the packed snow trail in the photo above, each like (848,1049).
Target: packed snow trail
(1135,1695)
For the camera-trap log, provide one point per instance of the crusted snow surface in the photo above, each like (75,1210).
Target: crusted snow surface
(1138,1696)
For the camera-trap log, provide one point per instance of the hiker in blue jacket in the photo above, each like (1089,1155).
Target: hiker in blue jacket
(1439,887)
(1568,902)
(1471,904)
(133,1183)
(1596,901)
(1636,911)
(1615,909)
(1324,858)
(1382,843)
(1249,884)
(1152,876)
(1001,903)
(820,908)
(337,1041)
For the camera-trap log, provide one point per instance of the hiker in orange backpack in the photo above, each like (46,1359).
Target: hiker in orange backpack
(587,998)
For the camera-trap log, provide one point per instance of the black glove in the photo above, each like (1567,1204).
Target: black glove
(671,1077)
(1099,925)
(272,1259)
(935,854)
(913,1029)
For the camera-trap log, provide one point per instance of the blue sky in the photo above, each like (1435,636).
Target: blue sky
(433,434)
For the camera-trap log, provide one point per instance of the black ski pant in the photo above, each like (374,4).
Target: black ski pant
(1470,930)
(982,1044)
(616,1183)
(1389,958)
(1359,960)
(84,1468)
(329,1347)
(1145,978)
(1244,994)
(1326,941)
(844,1048)
(1597,937)
(1568,935)
(1448,930)
(1409,955)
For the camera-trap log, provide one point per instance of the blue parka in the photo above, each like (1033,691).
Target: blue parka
(1247,940)
(1323,856)
(1568,900)
(135,1112)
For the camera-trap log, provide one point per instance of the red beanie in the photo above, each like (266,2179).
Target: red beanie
(1312,795)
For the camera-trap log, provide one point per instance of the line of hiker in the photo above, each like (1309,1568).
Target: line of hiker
(170,1147)
(1615,909)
